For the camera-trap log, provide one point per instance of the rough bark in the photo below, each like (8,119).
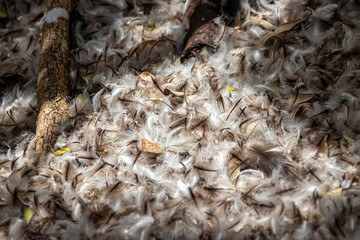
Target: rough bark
(200,14)
(52,83)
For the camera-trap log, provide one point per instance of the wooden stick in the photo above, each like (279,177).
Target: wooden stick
(52,83)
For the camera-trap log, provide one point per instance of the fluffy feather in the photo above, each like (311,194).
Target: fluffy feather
(257,141)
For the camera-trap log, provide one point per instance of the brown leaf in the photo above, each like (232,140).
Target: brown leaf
(146,76)
(281,29)
(323,146)
(201,12)
(193,4)
(167,91)
(150,147)
(206,35)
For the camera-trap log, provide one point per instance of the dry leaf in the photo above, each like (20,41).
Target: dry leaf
(150,147)
(334,193)
(323,147)
(207,34)
(191,7)
(303,99)
(146,76)
(3,14)
(211,225)
(167,91)
(62,151)
(237,52)
(348,139)
(87,76)
(168,78)
(235,175)
(262,22)
(28,213)
(88,29)
(252,127)
(281,29)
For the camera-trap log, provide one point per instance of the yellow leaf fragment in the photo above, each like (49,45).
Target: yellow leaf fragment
(230,89)
(28,215)
(119,138)
(334,193)
(61,151)
(146,76)
(125,211)
(150,147)
(87,76)
(88,28)
(234,176)
(155,97)
(299,39)
(80,97)
(80,100)
(177,61)
(348,139)
(3,15)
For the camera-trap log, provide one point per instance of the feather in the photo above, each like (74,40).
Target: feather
(15,228)
(326,12)
(257,136)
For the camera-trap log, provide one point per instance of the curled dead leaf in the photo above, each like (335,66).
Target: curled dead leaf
(167,91)
(191,7)
(150,147)
(323,146)
(252,128)
(281,29)
(146,76)
(207,34)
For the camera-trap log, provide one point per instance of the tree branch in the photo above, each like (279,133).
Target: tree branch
(52,84)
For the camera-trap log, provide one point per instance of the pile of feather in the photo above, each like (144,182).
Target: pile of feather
(253,134)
